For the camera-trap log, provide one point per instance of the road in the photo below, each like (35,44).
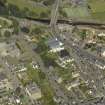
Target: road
(54,13)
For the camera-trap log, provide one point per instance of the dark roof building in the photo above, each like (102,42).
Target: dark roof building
(64,53)
(64,58)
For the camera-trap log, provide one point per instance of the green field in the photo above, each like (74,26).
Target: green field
(97,5)
(97,8)
(24,4)
(35,9)
(76,12)
(94,9)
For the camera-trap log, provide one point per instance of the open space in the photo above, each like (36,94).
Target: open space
(97,9)
(77,12)
(34,8)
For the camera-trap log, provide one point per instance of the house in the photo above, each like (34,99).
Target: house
(33,91)
(55,45)
(64,58)
(101,34)
(73,84)
(20,67)
(35,65)
(75,74)
(103,51)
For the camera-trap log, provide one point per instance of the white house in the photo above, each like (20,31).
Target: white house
(101,34)
(72,85)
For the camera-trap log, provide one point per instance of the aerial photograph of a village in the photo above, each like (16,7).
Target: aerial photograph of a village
(52,52)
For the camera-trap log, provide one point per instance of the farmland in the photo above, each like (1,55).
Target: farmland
(97,9)
(35,9)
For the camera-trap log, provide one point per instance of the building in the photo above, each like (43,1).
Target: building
(55,45)
(35,65)
(75,74)
(102,51)
(33,91)
(101,34)
(100,65)
(64,58)
(4,84)
(73,84)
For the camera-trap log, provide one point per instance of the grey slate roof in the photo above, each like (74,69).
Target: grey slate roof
(54,43)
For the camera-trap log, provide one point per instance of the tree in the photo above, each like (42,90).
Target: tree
(44,15)
(42,75)
(7,34)
(48,2)
(64,14)
(83,34)
(26,11)
(3,2)
(14,10)
(36,30)
(15,25)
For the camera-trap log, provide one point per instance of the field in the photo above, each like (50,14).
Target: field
(76,12)
(97,5)
(97,8)
(30,5)
(93,9)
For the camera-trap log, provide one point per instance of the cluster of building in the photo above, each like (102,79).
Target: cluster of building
(56,46)
(31,88)
(5,88)
(95,38)
(64,58)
